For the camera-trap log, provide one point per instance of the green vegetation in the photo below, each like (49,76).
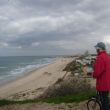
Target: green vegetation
(9,102)
(70,98)
(59,99)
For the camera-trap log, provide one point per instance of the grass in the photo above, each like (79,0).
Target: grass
(59,99)
(70,98)
(9,102)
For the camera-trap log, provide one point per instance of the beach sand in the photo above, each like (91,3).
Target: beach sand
(36,82)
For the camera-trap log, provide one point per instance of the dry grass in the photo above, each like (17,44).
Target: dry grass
(71,85)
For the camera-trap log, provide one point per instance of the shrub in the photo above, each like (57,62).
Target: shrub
(71,85)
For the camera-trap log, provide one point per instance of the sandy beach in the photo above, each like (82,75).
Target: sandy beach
(35,83)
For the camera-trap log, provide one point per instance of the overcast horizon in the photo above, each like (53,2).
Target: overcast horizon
(53,27)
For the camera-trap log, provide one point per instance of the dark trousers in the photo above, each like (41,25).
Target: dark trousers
(104,100)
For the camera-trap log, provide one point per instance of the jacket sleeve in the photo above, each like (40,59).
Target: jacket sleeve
(99,67)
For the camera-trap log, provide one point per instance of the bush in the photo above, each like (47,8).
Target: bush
(71,85)
(72,66)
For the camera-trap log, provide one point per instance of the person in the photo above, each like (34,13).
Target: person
(101,72)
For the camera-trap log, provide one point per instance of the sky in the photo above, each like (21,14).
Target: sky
(53,27)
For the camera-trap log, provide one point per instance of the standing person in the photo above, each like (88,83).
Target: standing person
(102,74)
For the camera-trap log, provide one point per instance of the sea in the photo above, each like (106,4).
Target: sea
(12,67)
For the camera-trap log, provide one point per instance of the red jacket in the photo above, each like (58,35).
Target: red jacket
(102,71)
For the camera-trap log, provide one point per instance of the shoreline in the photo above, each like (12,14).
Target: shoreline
(25,74)
(34,83)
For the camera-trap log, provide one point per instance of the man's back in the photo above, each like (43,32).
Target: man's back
(102,71)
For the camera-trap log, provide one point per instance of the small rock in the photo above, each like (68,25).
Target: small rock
(62,106)
(70,105)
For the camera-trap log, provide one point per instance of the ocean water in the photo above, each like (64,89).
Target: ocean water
(13,67)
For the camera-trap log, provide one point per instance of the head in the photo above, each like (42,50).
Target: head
(100,47)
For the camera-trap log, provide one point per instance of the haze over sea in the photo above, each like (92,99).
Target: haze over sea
(12,67)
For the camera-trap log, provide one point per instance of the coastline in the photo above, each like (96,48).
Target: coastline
(34,83)
(22,68)
(25,74)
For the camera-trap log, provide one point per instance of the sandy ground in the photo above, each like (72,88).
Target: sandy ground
(45,106)
(32,85)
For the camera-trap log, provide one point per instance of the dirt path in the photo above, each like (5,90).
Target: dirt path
(45,106)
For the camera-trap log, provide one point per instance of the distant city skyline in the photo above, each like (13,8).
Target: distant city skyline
(53,27)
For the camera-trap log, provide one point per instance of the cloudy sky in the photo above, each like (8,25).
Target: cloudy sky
(48,27)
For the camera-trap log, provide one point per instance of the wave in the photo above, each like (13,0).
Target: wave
(21,70)
(22,67)
(1,67)
(31,67)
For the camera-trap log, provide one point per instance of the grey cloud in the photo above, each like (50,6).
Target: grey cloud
(58,26)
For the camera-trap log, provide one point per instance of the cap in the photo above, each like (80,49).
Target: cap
(100,45)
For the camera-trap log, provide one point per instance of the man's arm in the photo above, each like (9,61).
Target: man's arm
(99,67)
